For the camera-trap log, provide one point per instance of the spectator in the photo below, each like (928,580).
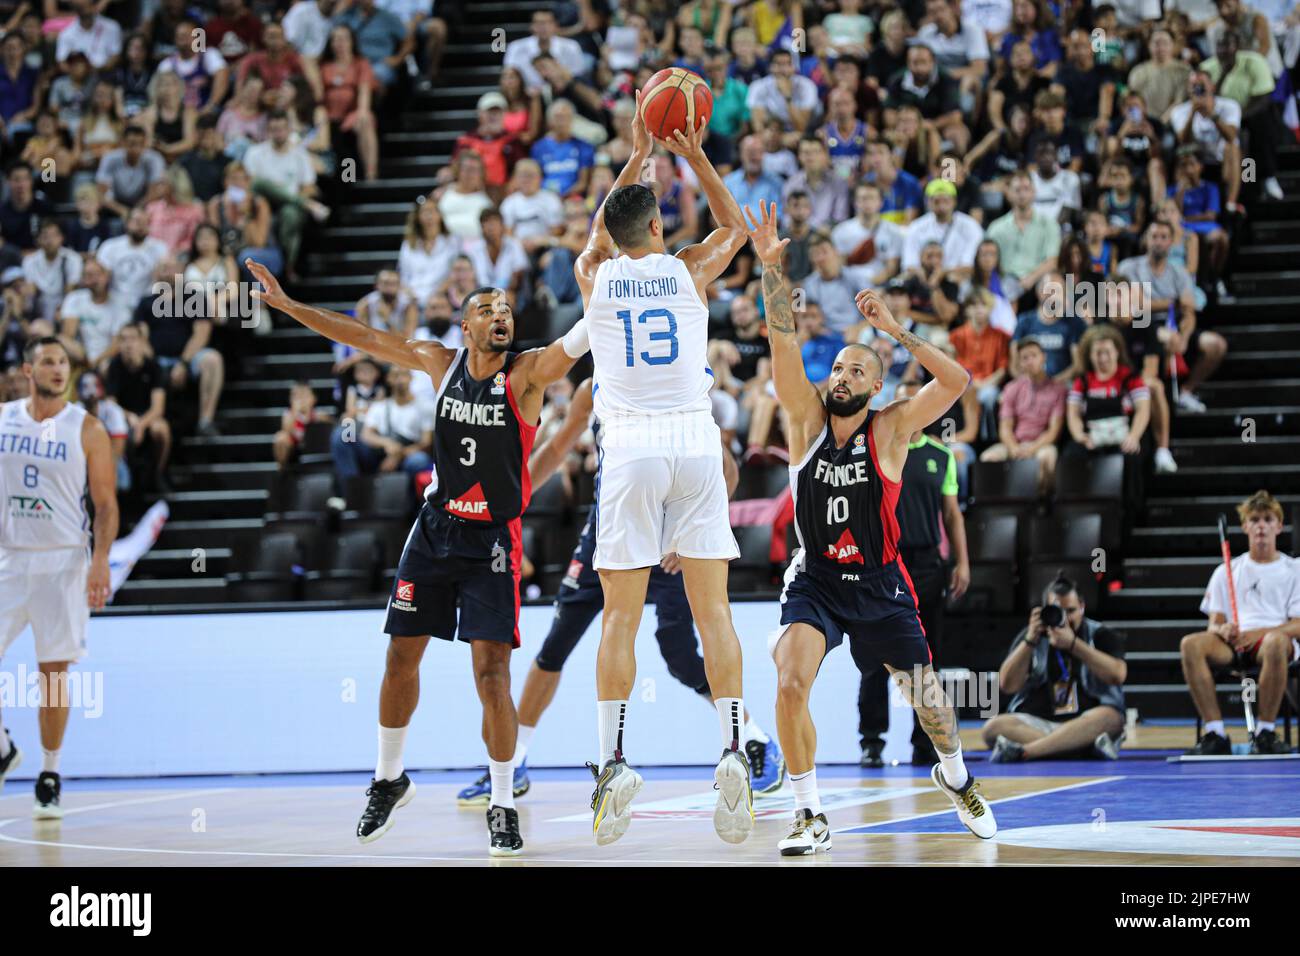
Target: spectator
(565,160)
(427,251)
(1258,626)
(1028,242)
(869,240)
(499,149)
(678,209)
(986,273)
(50,150)
(901,191)
(397,433)
(93,397)
(960,48)
(523,109)
(1030,415)
(1088,86)
(175,214)
(307,26)
(101,128)
(533,215)
(276,63)
(1124,209)
(294,420)
(388,306)
(844,134)
(1138,138)
(1251,28)
(130,175)
(778,161)
(235,31)
(748,61)
(283,173)
(818,347)
(785,96)
(828,192)
(1058,193)
(98,37)
(1162,80)
(1056,327)
(1049,110)
(243,121)
(798,254)
(160,29)
(24,209)
(381,38)
(1020,84)
(957,233)
(832,286)
(730,113)
(52,269)
(425,31)
(982,350)
(92,316)
(1032,23)
(748,333)
(749,185)
(1200,350)
(202,68)
(137,383)
(521,53)
(932,91)
(350,84)
(848,29)
(1245,78)
(1067,685)
(169,122)
(1212,123)
(591,116)
(499,260)
(460,282)
(206,162)
(84,232)
(132,258)
(438,327)
(20,87)
(1198,207)
(465,197)
(243,219)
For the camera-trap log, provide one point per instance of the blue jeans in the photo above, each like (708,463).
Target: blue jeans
(353,458)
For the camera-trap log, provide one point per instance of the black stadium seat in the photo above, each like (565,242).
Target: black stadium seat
(314,452)
(1068,536)
(993,539)
(348,571)
(1015,481)
(1101,480)
(303,496)
(386,494)
(269,569)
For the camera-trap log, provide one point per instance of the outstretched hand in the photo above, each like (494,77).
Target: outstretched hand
(875,311)
(688,145)
(641,140)
(270,293)
(768,246)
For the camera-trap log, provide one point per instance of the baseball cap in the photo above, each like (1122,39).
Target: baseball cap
(492,101)
(12,274)
(897,284)
(940,187)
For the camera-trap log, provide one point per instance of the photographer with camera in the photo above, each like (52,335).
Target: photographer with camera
(1066,674)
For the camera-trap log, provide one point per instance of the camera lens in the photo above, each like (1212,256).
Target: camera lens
(1053,616)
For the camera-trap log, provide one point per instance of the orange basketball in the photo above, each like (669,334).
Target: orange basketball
(675,99)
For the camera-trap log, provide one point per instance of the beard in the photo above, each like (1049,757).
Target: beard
(494,346)
(846,407)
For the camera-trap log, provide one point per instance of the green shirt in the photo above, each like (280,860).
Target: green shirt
(1023,250)
(730,111)
(929,474)
(1250,77)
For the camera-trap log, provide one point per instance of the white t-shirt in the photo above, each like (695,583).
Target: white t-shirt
(510,259)
(406,422)
(1268,595)
(306,29)
(966,45)
(993,16)
(97,322)
(100,43)
(132,266)
(530,216)
(53,279)
(851,233)
(764,95)
(460,212)
(423,269)
(1204,131)
(1132,13)
(111,416)
(959,238)
(290,169)
(520,53)
(1062,191)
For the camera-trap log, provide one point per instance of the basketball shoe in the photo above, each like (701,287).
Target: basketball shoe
(808,835)
(479,793)
(503,828)
(766,766)
(611,804)
(972,809)
(48,789)
(385,797)
(733,817)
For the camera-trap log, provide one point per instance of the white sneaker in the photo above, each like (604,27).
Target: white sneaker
(1165,464)
(611,804)
(1190,403)
(808,835)
(733,817)
(1274,188)
(972,809)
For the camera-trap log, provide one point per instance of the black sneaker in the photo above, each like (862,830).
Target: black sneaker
(1267,742)
(1211,745)
(10,761)
(385,797)
(871,755)
(503,827)
(48,788)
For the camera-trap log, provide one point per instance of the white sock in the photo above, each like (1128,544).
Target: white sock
(755,732)
(6,744)
(953,768)
(391,742)
(502,773)
(1261,725)
(50,762)
(1214,727)
(805,791)
(522,738)
(731,718)
(611,714)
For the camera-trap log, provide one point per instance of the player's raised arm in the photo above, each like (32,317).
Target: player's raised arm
(600,246)
(709,259)
(546,459)
(797,395)
(937,395)
(430,357)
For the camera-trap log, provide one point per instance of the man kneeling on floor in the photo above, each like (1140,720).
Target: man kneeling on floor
(1265,634)
(1066,676)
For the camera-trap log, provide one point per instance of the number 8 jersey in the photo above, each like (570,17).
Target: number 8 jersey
(844,508)
(649,340)
(43,477)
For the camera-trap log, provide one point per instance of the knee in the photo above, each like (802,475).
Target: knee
(1212,343)
(1192,646)
(1275,647)
(993,728)
(211,363)
(492,680)
(792,689)
(403,659)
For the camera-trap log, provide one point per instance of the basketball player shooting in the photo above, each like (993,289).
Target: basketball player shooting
(661,482)
(51,453)
(846,466)
(465,546)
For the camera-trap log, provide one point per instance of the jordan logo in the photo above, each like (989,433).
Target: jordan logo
(471,505)
(897,590)
(845,550)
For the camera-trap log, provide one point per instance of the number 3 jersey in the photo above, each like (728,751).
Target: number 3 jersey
(844,508)
(481,446)
(649,334)
(43,479)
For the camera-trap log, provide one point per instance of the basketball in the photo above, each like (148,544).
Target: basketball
(675,99)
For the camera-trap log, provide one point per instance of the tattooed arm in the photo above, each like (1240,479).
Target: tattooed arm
(797,395)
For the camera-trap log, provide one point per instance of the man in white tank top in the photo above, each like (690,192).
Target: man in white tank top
(661,488)
(50,452)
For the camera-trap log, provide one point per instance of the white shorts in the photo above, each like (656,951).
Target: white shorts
(651,505)
(48,591)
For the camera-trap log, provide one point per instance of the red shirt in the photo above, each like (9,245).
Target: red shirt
(234,39)
(343,85)
(499,154)
(981,353)
(272,72)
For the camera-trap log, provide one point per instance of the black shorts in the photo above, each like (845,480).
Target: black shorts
(878,612)
(450,565)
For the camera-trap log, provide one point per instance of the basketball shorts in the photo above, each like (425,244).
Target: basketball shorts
(46,589)
(653,504)
(457,580)
(878,612)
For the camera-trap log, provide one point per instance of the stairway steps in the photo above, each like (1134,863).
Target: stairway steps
(1181,540)
(224,503)
(1194,510)
(177,562)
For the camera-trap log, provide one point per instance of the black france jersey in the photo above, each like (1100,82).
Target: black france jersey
(481,446)
(844,508)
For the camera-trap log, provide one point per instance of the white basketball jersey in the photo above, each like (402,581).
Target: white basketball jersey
(43,480)
(649,336)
